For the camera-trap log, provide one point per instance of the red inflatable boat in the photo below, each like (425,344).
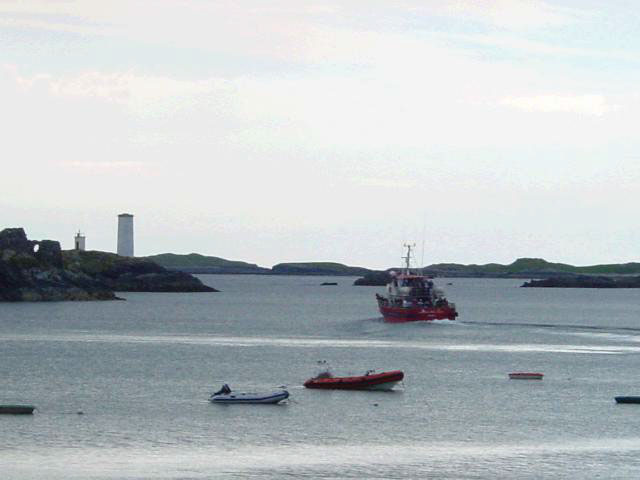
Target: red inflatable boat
(369,381)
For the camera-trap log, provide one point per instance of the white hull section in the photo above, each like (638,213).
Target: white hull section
(255,398)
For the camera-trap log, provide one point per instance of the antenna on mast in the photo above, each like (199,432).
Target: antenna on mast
(407,259)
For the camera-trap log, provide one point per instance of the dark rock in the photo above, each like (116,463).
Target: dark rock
(585,281)
(127,274)
(15,239)
(49,253)
(374,279)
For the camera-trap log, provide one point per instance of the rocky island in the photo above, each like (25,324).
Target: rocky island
(40,271)
(202,264)
(374,279)
(318,268)
(585,281)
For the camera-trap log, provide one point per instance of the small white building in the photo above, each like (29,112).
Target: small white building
(125,235)
(79,241)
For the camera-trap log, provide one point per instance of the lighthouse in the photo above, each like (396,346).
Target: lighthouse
(125,235)
(79,241)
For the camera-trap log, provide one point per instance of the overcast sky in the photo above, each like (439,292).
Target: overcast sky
(291,130)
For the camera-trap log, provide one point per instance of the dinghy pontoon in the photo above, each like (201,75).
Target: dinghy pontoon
(17,409)
(227,396)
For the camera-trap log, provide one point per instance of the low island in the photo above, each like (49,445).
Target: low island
(585,281)
(204,264)
(546,274)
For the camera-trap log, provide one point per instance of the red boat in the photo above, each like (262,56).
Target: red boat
(412,297)
(368,381)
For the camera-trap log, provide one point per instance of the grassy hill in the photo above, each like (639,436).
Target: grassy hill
(530,267)
(318,268)
(196,263)
(521,268)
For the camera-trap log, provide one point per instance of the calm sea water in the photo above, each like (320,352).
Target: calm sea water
(141,372)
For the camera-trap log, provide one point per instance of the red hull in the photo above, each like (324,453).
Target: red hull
(363,382)
(415,314)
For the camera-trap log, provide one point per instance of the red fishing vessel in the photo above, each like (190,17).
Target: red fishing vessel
(412,297)
(368,381)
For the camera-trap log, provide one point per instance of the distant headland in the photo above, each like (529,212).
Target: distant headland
(526,268)
(529,268)
(201,264)
(40,271)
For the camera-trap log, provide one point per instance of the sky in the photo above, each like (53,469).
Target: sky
(291,130)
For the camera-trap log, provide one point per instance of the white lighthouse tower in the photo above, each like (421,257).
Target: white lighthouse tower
(79,241)
(125,235)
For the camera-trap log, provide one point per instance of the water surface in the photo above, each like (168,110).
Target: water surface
(141,372)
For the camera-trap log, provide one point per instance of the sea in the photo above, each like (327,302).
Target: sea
(122,387)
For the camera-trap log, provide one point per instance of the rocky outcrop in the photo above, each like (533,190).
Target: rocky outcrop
(126,274)
(374,279)
(32,271)
(41,271)
(585,281)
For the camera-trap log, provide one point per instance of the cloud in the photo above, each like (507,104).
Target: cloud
(512,14)
(139,93)
(519,44)
(594,105)
(55,26)
(244,28)
(290,34)
(100,167)
(387,183)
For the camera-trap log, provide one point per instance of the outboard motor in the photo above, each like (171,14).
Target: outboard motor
(225,390)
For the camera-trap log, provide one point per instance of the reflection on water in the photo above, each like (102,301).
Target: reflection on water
(305,342)
(344,460)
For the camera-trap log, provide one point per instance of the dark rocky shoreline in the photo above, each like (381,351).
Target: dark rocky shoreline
(374,279)
(40,271)
(584,281)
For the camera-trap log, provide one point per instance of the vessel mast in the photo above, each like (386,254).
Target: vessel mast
(407,259)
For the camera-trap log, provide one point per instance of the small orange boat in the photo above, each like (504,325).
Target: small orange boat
(526,376)
(368,381)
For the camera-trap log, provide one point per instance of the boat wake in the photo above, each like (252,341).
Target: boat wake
(447,459)
(562,326)
(324,343)
(444,322)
